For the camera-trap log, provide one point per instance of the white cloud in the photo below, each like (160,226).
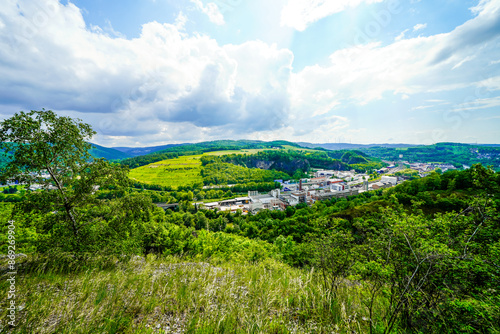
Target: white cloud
(463,61)
(211,10)
(490,84)
(487,118)
(401,36)
(477,104)
(147,86)
(180,21)
(361,74)
(170,86)
(419,26)
(298,14)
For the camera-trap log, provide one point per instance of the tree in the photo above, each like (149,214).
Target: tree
(52,151)
(334,256)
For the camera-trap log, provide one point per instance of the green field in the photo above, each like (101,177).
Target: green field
(186,170)
(181,171)
(300,149)
(176,172)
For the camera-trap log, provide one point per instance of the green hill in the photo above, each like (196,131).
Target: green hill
(98,151)
(449,153)
(420,257)
(204,147)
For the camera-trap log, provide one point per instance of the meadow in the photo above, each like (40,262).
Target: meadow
(174,295)
(300,149)
(181,171)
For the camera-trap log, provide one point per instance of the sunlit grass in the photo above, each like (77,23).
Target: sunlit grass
(171,296)
(175,172)
(181,171)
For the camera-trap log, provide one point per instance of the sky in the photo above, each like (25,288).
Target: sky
(155,72)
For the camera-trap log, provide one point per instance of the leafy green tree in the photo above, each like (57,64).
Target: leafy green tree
(334,256)
(52,151)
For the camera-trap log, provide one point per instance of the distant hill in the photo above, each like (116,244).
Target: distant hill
(137,151)
(225,145)
(203,147)
(98,151)
(449,153)
(348,146)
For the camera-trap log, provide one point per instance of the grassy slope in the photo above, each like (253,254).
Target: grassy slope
(181,171)
(169,296)
(225,145)
(185,170)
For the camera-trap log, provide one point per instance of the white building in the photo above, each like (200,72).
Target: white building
(322,173)
(337,187)
(389,179)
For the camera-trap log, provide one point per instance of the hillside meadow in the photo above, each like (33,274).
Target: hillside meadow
(180,171)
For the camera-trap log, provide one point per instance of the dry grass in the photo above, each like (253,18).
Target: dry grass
(181,171)
(170,296)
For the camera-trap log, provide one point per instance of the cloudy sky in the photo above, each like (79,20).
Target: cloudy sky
(153,72)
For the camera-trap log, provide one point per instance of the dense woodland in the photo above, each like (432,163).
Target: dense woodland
(450,153)
(421,257)
(427,249)
(292,161)
(200,148)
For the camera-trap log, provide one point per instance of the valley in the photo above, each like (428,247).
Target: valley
(233,235)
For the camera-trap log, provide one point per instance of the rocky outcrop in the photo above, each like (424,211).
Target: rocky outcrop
(286,166)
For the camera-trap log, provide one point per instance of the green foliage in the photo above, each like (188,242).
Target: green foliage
(26,236)
(10,190)
(172,173)
(225,173)
(67,212)
(200,148)
(450,153)
(350,157)
(291,161)
(42,142)
(419,257)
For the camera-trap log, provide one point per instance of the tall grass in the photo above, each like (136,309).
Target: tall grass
(170,295)
(181,171)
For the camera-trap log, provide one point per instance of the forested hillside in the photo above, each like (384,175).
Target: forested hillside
(450,153)
(200,148)
(107,153)
(96,151)
(249,169)
(89,252)
(424,256)
(291,161)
